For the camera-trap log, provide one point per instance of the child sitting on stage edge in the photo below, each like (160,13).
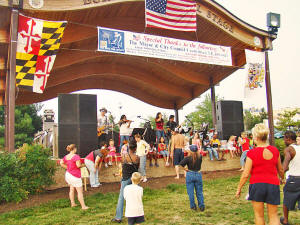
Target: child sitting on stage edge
(112,152)
(152,154)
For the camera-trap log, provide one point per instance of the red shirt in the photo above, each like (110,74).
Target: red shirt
(90,156)
(246,145)
(161,147)
(264,171)
(159,125)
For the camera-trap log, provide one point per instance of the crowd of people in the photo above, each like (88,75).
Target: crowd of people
(258,159)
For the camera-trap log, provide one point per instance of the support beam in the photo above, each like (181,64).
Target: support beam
(269,99)
(213,103)
(11,84)
(176,113)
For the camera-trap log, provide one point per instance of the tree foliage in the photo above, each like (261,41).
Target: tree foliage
(27,123)
(203,113)
(251,120)
(286,120)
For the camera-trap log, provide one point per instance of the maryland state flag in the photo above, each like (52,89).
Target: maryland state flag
(38,44)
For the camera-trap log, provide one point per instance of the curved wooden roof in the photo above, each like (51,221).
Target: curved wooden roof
(164,83)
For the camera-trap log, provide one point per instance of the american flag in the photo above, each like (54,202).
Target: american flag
(171,14)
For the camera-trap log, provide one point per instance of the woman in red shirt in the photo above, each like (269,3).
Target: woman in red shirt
(159,127)
(264,165)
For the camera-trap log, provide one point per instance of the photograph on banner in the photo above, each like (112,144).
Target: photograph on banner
(255,76)
(138,44)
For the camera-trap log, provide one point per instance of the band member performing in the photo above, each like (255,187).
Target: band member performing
(103,124)
(125,130)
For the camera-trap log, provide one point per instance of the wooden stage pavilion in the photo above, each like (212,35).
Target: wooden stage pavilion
(164,83)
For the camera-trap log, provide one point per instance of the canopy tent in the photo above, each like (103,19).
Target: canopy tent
(163,83)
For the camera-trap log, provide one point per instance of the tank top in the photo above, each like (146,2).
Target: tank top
(264,171)
(294,166)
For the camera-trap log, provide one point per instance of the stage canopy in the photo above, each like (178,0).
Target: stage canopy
(164,83)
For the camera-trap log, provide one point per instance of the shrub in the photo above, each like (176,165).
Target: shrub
(10,185)
(27,171)
(36,167)
(279,143)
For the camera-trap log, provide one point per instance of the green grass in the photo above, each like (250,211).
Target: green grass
(165,206)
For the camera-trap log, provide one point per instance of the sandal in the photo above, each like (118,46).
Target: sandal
(281,221)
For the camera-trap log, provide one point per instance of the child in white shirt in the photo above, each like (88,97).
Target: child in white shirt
(133,195)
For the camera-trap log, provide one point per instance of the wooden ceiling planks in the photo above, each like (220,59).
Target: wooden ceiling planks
(148,79)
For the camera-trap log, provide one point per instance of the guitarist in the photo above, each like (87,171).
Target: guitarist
(103,124)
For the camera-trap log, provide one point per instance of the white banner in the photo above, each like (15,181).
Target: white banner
(255,76)
(130,43)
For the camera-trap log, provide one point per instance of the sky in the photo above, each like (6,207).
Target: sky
(283,59)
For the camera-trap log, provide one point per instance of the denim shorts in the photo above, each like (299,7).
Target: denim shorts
(178,156)
(164,153)
(291,192)
(263,192)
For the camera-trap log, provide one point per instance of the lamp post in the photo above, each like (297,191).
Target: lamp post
(273,23)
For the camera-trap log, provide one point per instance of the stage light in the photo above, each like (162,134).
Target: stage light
(273,22)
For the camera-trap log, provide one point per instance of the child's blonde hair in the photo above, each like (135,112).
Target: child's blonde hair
(136,178)
(261,132)
(231,138)
(244,133)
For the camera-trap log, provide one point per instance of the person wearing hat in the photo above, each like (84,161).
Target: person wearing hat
(103,124)
(194,177)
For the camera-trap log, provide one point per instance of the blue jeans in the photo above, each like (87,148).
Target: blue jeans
(120,206)
(142,168)
(243,158)
(194,181)
(212,151)
(94,178)
(159,134)
(122,138)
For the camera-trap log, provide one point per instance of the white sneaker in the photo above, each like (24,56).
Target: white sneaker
(145,179)
(109,163)
(167,164)
(106,165)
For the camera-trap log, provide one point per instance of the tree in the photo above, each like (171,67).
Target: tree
(203,113)
(27,123)
(251,120)
(286,121)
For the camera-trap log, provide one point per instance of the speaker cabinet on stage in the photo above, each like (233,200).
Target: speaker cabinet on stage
(229,119)
(77,123)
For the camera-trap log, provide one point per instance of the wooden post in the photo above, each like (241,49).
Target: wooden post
(213,103)
(176,113)
(269,99)
(11,84)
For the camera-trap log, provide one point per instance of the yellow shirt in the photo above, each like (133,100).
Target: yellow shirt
(142,148)
(215,143)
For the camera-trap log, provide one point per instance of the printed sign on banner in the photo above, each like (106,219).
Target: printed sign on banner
(111,40)
(255,76)
(130,43)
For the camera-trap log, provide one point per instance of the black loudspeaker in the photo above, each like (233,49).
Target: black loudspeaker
(148,135)
(77,123)
(229,119)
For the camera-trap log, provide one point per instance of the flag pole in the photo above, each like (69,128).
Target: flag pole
(11,84)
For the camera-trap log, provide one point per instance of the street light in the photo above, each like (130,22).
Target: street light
(273,22)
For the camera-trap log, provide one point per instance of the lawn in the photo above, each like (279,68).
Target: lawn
(164,206)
